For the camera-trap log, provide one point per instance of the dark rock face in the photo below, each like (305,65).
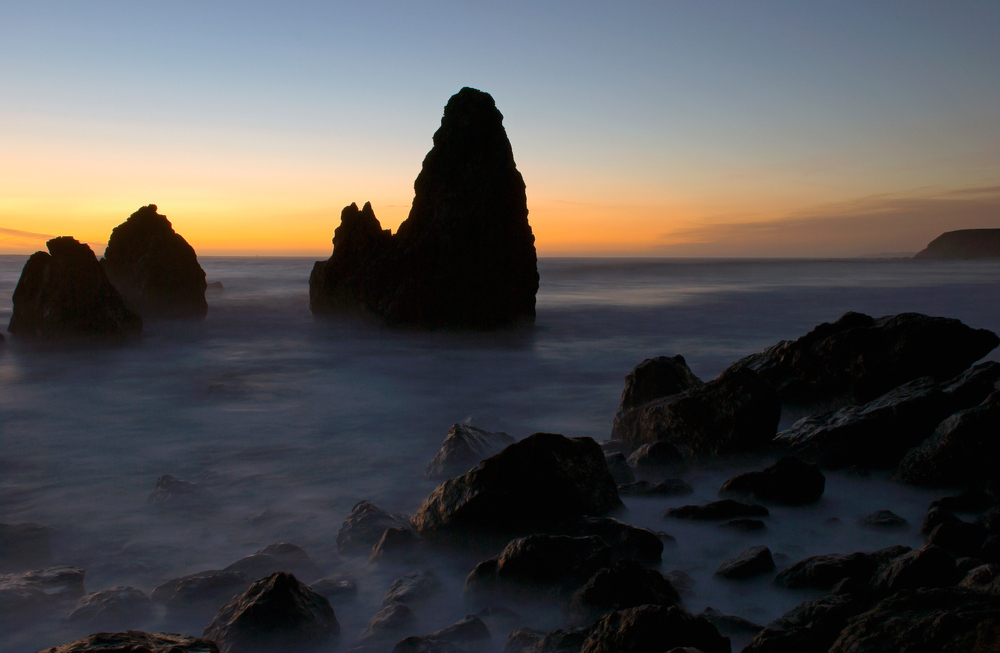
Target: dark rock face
(463,448)
(541,480)
(389,622)
(653,628)
(650,380)
(154,268)
(200,594)
(985,578)
(653,459)
(754,561)
(283,556)
(397,544)
(928,566)
(789,481)
(364,527)
(958,538)
(809,626)
(467,636)
(539,564)
(626,584)
(65,293)
(825,571)
(745,525)
(718,510)
(134,641)
(23,546)
(529,640)
(465,256)
(619,468)
(119,607)
(951,619)
(735,413)
(859,358)
(963,244)
(277,613)
(413,588)
(962,450)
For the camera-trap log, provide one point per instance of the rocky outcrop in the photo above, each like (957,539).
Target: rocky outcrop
(277,613)
(963,244)
(735,413)
(539,481)
(113,609)
(364,527)
(134,641)
(23,546)
(465,255)
(751,562)
(154,268)
(789,481)
(463,448)
(859,358)
(65,293)
(948,619)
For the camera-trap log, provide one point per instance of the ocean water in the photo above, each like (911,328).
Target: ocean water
(270,409)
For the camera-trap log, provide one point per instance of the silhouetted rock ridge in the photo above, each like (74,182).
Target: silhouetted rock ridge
(963,244)
(465,256)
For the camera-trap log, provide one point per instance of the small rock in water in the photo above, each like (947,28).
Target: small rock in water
(627,542)
(619,468)
(789,481)
(717,510)
(24,595)
(389,622)
(135,641)
(670,487)
(413,588)
(754,561)
(463,448)
(283,556)
(883,520)
(201,593)
(958,538)
(653,628)
(396,545)
(654,458)
(364,527)
(113,609)
(214,285)
(172,493)
(825,571)
(928,566)
(626,584)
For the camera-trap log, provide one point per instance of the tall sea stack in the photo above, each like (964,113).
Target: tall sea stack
(465,256)
(154,268)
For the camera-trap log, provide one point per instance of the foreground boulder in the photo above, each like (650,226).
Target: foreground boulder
(735,413)
(65,293)
(463,448)
(277,613)
(947,619)
(465,256)
(789,481)
(133,641)
(154,268)
(532,484)
(859,358)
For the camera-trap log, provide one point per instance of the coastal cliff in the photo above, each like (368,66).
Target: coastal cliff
(963,244)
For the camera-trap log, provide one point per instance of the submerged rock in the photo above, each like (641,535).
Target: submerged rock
(717,510)
(134,641)
(283,556)
(277,613)
(154,268)
(825,571)
(65,293)
(23,546)
(789,481)
(532,484)
(463,448)
(883,520)
(859,358)
(172,493)
(754,561)
(465,256)
(671,487)
(23,594)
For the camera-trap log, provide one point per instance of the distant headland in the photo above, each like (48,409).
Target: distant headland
(963,244)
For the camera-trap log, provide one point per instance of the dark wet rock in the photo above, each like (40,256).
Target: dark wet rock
(681,582)
(877,434)
(928,566)
(389,622)
(113,609)
(730,624)
(949,619)
(963,244)
(41,589)
(883,520)
(652,459)
(810,626)
(651,380)
(467,636)
(619,468)
(859,358)
(718,510)
(154,268)
(627,542)
(202,593)
(751,562)
(364,527)
(65,293)
(23,546)
(990,520)
(465,256)
(529,640)
(396,545)
(936,516)
(789,481)
(463,448)
(885,555)
(745,525)
(972,386)
(825,571)
(413,588)
(735,413)
(626,584)
(968,500)
(671,487)
(134,641)
(543,479)
(985,578)
(653,628)
(283,556)
(335,589)
(525,640)
(540,564)
(958,538)
(214,286)
(962,450)
(174,494)
(276,613)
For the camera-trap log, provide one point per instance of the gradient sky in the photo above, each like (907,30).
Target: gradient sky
(659,128)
